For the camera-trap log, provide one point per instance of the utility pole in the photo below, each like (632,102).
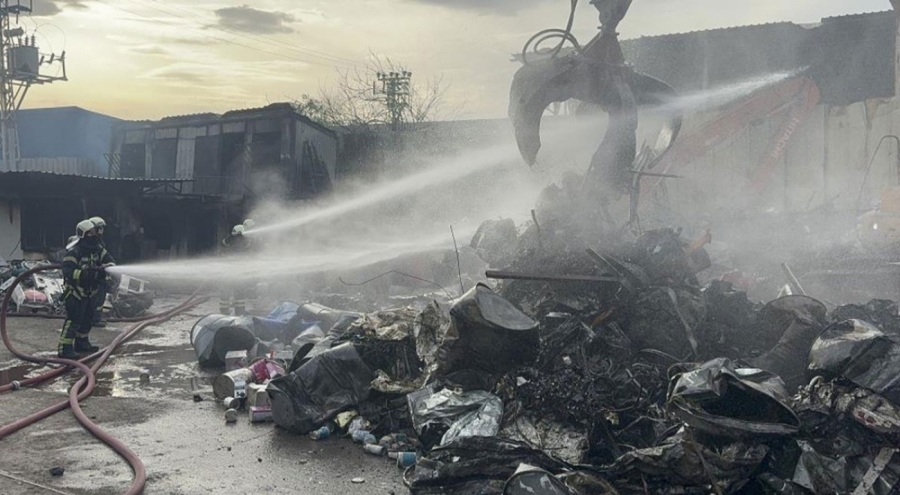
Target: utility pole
(395,89)
(20,67)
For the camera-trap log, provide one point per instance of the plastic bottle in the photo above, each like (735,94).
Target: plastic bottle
(320,434)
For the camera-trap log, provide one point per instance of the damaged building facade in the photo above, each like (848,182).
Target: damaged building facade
(810,134)
(222,163)
(168,188)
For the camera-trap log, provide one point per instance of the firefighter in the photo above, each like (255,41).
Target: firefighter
(103,284)
(83,268)
(234,295)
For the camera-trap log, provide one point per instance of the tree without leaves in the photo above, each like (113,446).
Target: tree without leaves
(354,101)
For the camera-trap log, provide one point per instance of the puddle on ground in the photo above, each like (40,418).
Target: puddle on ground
(16,373)
(109,384)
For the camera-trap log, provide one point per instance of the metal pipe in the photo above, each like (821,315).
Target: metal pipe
(496,274)
(792,279)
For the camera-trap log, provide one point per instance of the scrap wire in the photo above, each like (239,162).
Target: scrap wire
(32,483)
(389,272)
(656,352)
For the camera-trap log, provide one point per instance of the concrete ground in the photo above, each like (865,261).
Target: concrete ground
(186,446)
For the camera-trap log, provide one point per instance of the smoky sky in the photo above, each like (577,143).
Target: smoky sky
(47,8)
(509,7)
(247,19)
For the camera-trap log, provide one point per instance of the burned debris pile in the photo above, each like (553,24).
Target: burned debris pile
(600,371)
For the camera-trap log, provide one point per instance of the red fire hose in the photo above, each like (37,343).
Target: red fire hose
(85,386)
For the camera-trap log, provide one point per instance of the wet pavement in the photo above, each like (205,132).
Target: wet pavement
(186,446)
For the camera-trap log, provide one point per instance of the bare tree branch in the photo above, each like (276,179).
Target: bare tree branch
(355,101)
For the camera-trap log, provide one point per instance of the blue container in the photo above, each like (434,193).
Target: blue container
(320,434)
(406,459)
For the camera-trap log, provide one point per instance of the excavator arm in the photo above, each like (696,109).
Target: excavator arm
(595,74)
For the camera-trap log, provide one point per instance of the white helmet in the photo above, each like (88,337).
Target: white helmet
(98,222)
(238,230)
(249,224)
(83,228)
(73,240)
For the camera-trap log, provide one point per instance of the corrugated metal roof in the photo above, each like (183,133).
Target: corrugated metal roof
(191,116)
(230,116)
(860,15)
(60,165)
(746,27)
(93,177)
(272,107)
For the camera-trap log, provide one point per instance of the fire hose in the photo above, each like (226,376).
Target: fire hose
(85,386)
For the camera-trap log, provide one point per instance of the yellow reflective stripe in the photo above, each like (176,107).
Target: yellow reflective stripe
(76,274)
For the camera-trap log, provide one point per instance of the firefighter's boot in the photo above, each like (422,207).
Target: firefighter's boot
(67,351)
(83,346)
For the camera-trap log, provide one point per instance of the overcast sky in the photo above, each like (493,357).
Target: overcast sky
(151,58)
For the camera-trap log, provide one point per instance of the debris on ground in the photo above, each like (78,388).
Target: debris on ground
(599,371)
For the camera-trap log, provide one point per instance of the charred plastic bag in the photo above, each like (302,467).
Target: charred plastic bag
(305,341)
(441,417)
(530,480)
(722,399)
(214,336)
(882,313)
(494,336)
(859,352)
(327,384)
(877,474)
(470,465)
(682,465)
(795,321)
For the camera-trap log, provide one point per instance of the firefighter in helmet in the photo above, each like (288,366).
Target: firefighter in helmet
(234,295)
(83,267)
(103,285)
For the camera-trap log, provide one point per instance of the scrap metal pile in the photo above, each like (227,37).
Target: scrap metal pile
(603,371)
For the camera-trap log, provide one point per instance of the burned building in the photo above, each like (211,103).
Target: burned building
(222,165)
(39,210)
(235,156)
(168,188)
